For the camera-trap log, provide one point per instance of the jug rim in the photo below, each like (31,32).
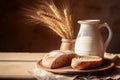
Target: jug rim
(89,21)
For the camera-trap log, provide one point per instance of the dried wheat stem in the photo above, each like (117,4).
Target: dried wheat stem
(67,22)
(55,10)
(39,13)
(51,19)
(50,15)
(54,27)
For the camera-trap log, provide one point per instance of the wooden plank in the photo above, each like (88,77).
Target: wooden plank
(16,68)
(21,56)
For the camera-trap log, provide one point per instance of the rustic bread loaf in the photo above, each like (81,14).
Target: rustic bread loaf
(86,62)
(57,59)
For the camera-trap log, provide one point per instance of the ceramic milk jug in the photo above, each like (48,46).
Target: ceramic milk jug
(89,40)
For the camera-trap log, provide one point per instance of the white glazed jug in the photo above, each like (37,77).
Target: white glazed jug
(89,40)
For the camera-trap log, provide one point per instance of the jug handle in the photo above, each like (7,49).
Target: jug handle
(110,33)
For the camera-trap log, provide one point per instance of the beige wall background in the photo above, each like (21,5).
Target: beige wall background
(17,35)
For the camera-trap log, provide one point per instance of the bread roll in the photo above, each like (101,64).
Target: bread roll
(86,62)
(57,59)
(70,55)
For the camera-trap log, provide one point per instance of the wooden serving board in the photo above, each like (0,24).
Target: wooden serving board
(106,65)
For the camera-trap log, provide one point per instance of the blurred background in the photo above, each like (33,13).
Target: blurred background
(18,35)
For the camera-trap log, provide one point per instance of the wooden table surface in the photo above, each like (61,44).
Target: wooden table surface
(17,65)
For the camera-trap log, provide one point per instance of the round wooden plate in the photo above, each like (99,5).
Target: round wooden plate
(106,65)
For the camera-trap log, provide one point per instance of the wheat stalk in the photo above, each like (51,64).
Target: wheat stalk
(49,21)
(50,15)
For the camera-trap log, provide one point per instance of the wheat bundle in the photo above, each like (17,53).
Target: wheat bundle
(59,20)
